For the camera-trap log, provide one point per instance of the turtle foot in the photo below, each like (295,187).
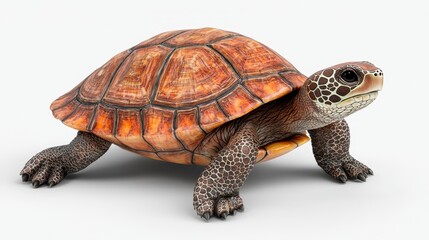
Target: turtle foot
(44,168)
(51,165)
(221,207)
(346,168)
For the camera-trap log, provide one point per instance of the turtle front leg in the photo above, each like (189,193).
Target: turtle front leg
(53,164)
(331,149)
(217,188)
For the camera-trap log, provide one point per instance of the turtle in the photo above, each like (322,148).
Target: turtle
(214,98)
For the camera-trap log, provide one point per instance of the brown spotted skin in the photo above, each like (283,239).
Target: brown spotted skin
(163,96)
(324,87)
(217,188)
(51,165)
(331,149)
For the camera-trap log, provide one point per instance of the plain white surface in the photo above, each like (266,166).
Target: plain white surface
(47,47)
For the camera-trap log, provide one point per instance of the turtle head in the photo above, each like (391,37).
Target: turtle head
(342,89)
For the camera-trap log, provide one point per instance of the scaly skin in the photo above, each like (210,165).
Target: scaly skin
(331,149)
(51,165)
(218,186)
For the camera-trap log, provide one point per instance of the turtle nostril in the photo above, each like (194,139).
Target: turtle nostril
(378,73)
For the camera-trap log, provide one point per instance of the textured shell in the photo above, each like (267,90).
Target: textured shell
(162,96)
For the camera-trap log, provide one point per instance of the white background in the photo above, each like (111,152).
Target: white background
(47,47)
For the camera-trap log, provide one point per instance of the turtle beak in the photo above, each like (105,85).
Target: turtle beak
(372,82)
(368,89)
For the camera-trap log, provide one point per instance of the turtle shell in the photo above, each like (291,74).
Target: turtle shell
(161,97)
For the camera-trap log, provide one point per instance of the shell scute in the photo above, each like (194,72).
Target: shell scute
(250,57)
(238,102)
(295,78)
(193,75)
(129,130)
(133,83)
(187,125)
(65,110)
(211,116)
(104,123)
(268,88)
(80,118)
(94,86)
(158,129)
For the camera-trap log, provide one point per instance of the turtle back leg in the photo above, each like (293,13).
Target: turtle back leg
(331,149)
(51,165)
(217,189)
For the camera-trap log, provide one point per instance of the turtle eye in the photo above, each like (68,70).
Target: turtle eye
(349,76)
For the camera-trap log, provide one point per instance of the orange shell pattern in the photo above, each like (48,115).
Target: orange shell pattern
(161,97)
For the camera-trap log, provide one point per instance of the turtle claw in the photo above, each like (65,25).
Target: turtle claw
(221,207)
(206,216)
(25,177)
(346,168)
(361,177)
(51,184)
(342,178)
(370,172)
(36,184)
(240,209)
